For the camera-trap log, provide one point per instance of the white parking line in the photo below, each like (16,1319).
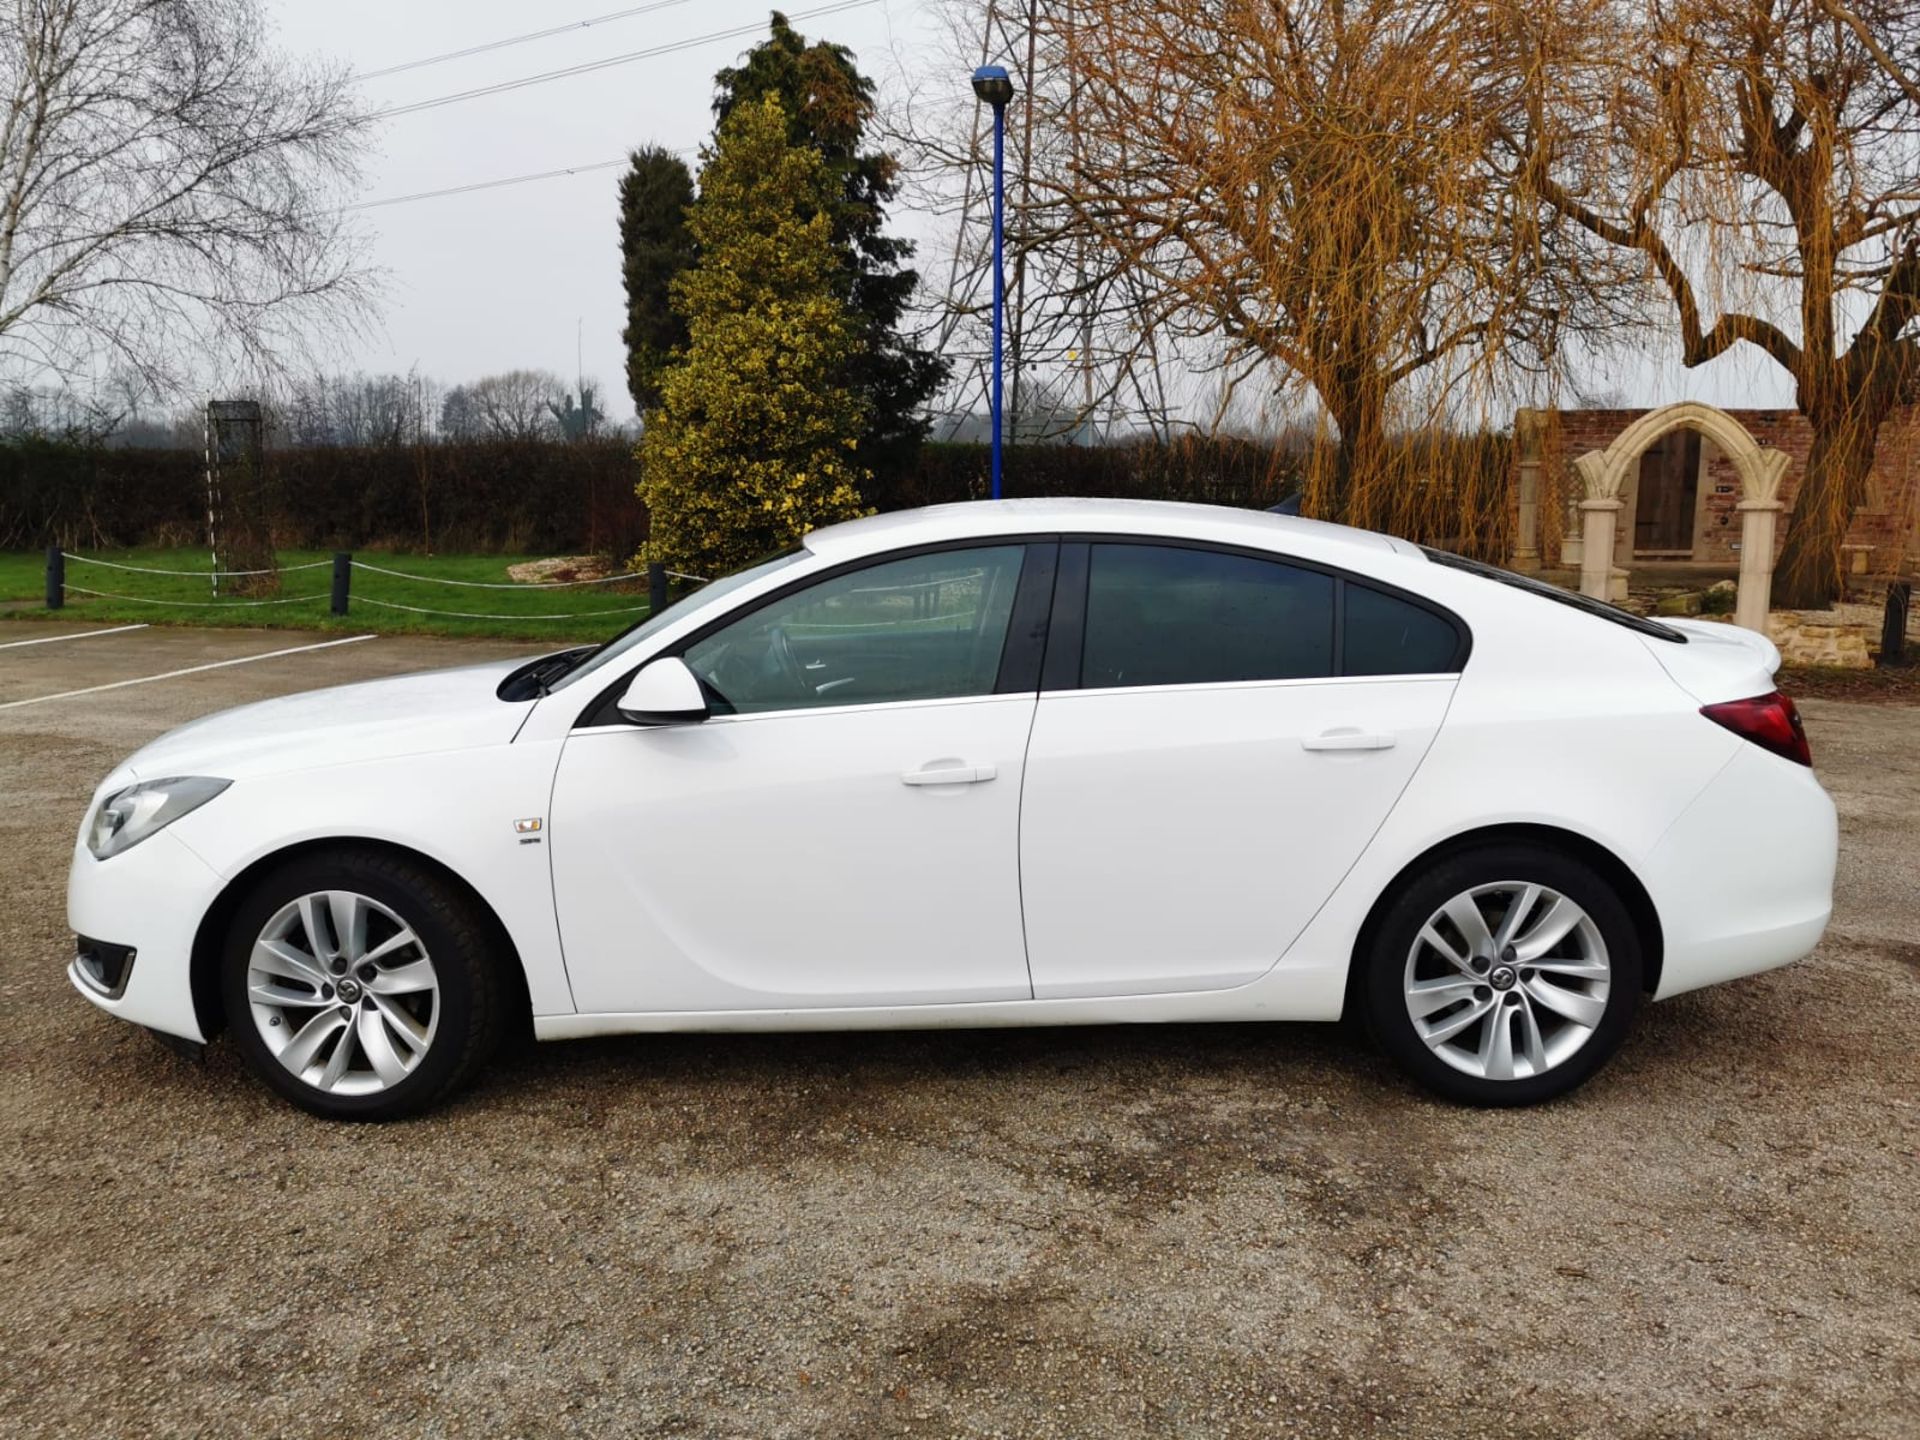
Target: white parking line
(190,670)
(76,635)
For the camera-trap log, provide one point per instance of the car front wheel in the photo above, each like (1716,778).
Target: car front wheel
(360,985)
(1505,975)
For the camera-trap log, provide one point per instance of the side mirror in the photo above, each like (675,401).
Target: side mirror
(663,692)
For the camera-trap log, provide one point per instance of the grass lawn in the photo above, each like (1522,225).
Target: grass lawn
(586,612)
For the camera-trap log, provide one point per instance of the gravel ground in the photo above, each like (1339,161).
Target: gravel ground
(1203,1231)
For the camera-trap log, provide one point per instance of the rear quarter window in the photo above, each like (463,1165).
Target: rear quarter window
(1385,635)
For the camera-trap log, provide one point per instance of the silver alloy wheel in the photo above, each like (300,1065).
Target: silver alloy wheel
(1507,980)
(343,992)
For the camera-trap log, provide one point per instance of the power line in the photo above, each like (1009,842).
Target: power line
(612,60)
(486,185)
(548,33)
(497,184)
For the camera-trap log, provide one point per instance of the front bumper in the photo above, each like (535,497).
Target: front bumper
(149,899)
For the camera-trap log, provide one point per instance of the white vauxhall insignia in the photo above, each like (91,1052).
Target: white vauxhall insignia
(1016,763)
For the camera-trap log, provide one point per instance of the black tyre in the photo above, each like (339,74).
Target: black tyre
(1505,975)
(361,986)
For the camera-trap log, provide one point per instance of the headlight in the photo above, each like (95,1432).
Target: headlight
(128,816)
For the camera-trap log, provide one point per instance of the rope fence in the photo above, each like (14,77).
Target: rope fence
(192,574)
(342,595)
(493,584)
(195,604)
(475,615)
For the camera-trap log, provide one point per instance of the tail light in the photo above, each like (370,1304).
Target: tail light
(1769,721)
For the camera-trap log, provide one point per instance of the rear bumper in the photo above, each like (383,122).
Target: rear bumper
(1743,881)
(149,899)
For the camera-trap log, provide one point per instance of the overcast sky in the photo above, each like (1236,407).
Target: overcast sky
(507,277)
(504,278)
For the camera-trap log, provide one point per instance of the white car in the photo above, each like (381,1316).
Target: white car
(1015,763)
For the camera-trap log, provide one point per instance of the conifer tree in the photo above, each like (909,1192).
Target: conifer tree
(757,435)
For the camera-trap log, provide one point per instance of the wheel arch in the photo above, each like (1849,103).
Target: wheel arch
(209,939)
(1633,894)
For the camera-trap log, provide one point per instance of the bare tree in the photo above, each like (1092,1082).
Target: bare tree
(389,411)
(1759,158)
(1906,76)
(357,409)
(169,187)
(1085,353)
(514,405)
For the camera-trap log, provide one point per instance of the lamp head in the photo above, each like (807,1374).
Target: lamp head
(993,85)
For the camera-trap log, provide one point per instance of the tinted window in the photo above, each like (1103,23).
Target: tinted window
(1388,636)
(1163,615)
(924,628)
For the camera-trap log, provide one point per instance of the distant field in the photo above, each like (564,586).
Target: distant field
(588,612)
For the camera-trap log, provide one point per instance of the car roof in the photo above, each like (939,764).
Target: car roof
(1221,524)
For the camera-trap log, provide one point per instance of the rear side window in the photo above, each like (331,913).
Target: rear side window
(1384,635)
(1167,615)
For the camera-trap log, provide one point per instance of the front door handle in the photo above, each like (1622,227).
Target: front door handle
(949,772)
(1347,740)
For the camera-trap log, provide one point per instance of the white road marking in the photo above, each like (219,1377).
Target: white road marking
(76,635)
(190,670)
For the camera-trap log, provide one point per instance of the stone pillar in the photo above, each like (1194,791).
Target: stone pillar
(1757,521)
(1596,546)
(1526,544)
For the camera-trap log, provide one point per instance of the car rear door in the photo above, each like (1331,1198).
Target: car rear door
(1219,735)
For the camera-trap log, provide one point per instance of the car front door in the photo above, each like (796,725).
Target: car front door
(1218,737)
(843,830)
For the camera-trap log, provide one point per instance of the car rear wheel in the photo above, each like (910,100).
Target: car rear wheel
(1506,975)
(361,986)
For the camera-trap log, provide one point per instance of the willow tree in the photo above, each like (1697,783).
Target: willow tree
(1761,159)
(1321,187)
(757,434)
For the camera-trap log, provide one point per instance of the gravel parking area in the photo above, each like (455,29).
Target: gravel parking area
(1196,1231)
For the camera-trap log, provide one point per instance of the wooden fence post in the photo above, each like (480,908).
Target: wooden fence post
(56,577)
(342,579)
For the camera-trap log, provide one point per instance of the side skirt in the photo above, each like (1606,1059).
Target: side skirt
(1283,994)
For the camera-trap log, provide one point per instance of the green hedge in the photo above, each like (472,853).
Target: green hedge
(1213,472)
(546,498)
(532,497)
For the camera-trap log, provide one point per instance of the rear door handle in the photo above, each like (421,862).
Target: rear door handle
(948,773)
(1347,740)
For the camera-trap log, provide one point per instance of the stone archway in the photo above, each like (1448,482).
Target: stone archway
(1604,473)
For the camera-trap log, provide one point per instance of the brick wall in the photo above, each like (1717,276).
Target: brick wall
(1886,523)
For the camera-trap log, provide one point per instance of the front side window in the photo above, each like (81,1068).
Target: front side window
(1169,615)
(710,594)
(926,627)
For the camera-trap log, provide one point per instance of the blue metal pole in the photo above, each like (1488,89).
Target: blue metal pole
(999,272)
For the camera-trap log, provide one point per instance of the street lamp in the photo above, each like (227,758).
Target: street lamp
(992,85)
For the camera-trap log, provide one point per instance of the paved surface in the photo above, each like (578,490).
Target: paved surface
(1202,1231)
